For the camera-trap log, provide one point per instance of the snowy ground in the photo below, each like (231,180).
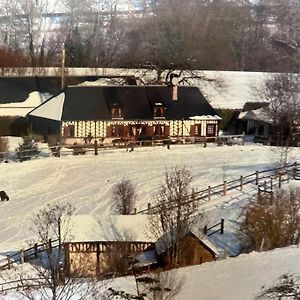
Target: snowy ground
(86,182)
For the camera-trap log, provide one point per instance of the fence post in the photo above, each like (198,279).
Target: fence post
(35,247)
(61,274)
(209,192)
(8,261)
(149,208)
(256,177)
(131,147)
(295,170)
(96,147)
(22,256)
(205,229)
(50,246)
(222,226)
(279,179)
(225,188)
(134,211)
(241,183)
(271,183)
(265,185)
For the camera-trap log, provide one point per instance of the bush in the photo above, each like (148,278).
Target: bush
(3,147)
(124,197)
(27,149)
(274,222)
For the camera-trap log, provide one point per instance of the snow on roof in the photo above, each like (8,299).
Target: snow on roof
(206,117)
(21,108)
(86,228)
(235,88)
(166,240)
(260,114)
(50,109)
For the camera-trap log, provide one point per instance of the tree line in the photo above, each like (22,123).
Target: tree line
(161,34)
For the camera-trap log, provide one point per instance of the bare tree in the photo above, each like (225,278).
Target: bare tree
(124,197)
(271,222)
(281,91)
(175,214)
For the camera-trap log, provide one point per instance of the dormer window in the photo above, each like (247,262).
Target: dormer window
(159,111)
(116,112)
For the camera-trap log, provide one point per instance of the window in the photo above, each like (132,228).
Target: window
(159,130)
(159,111)
(69,131)
(117,131)
(210,129)
(116,113)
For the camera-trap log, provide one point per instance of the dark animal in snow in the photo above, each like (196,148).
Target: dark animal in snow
(3,196)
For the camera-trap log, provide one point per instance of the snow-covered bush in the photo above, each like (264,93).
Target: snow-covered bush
(27,149)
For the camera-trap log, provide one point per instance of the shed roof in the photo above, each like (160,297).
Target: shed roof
(166,240)
(254,105)
(86,228)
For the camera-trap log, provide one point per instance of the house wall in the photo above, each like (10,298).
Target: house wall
(95,258)
(174,128)
(195,252)
(192,252)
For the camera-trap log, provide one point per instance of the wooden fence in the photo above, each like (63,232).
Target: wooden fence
(129,145)
(21,284)
(259,178)
(28,254)
(219,227)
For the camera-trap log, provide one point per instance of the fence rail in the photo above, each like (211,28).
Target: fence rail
(128,144)
(274,176)
(28,254)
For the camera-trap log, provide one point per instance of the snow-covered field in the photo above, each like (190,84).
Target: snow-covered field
(87,181)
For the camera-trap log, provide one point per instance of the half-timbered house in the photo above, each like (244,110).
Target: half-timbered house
(79,113)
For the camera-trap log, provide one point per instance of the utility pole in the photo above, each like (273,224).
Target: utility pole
(63,58)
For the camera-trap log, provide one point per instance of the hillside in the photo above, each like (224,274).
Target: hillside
(87,181)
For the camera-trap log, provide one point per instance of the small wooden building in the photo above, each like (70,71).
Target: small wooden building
(108,246)
(102,113)
(255,119)
(194,249)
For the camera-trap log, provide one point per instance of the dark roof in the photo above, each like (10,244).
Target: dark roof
(94,102)
(18,89)
(254,105)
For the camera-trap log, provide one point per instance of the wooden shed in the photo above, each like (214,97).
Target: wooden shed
(195,249)
(108,246)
